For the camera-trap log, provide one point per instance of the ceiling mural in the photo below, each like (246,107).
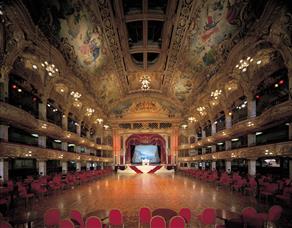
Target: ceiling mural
(77,29)
(182,85)
(216,22)
(108,90)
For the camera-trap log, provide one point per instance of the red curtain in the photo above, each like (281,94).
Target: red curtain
(145,139)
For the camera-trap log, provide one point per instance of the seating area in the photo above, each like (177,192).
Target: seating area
(249,217)
(31,188)
(266,188)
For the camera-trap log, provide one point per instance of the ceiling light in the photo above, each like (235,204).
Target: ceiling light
(184,126)
(71,144)
(259,133)
(201,110)
(192,119)
(89,111)
(145,82)
(244,64)
(99,120)
(106,126)
(44,126)
(19,90)
(75,95)
(50,68)
(234,140)
(220,143)
(259,62)
(35,135)
(57,141)
(216,93)
(34,67)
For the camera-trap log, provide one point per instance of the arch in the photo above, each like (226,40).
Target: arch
(146,139)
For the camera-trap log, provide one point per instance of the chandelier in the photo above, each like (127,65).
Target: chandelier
(145,82)
(50,68)
(89,111)
(216,93)
(244,63)
(99,120)
(75,95)
(192,119)
(201,110)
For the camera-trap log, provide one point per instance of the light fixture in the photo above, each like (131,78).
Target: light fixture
(259,133)
(44,126)
(220,143)
(106,126)
(145,82)
(201,110)
(244,63)
(75,95)
(192,119)
(34,67)
(57,141)
(216,93)
(50,68)
(89,111)
(184,126)
(250,124)
(35,135)
(99,120)
(235,140)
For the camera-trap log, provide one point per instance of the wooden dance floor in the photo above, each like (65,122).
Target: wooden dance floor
(130,192)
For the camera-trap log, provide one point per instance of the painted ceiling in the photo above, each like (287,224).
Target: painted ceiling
(101,41)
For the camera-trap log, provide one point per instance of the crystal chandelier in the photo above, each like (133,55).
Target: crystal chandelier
(89,111)
(244,63)
(50,68)
(192,119)
(75,95)
(99,120)
(216,93)
(145,81)
(201,110)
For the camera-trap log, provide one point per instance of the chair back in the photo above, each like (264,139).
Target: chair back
(115,217)
(76,217)
(275,213)
(4,224)
(52,217)
(93,222)
(66,223)
(145,215)
(208,216)
(157,222)
(186,214)
(248,214)
(177,222)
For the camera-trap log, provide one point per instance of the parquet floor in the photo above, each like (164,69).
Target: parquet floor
(130,192)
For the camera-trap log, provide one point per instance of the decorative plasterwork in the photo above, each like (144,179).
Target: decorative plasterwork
(9,150)
(278,149)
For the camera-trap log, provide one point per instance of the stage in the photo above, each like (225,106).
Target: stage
(145,169)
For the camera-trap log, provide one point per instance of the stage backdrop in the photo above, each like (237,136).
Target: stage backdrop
(145,139)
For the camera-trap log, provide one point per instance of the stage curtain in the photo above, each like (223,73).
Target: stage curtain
(146,139)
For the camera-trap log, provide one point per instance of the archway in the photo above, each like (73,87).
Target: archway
(146,139)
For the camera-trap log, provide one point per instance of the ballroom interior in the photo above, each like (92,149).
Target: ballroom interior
(145,113)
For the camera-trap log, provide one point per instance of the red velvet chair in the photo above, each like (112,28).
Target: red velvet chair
(186,214)
(157,222)
(273,215)
(177,222)
(52,217)
(4,224)
(144,216)
(77,218)
(66,223)
(208,216)
(115,218)
(93,222)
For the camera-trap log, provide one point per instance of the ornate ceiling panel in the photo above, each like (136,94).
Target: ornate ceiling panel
(180,44)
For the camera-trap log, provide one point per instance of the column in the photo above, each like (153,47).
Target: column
(228,166)
(4,167)
(251,112)
(78,129)
(213,128)
(42,141)
(4,80)
(64,145)
(203,165)
(252,167)
(213,165)
(42,167)
(196,165)
(290,169)
(64,166)
(4,133)
(290,131)
(43,110)
(228,124)
(78,166)
(88,165)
